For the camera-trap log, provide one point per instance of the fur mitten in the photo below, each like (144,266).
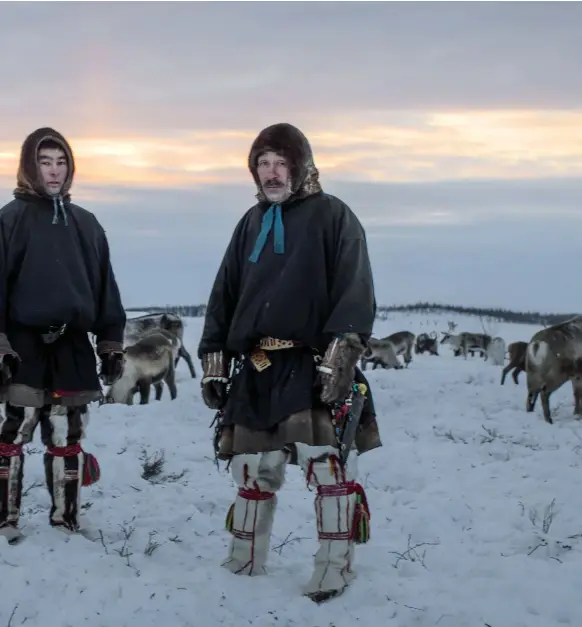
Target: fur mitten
(338,367)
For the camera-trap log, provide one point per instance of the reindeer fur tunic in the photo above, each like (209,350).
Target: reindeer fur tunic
(54,269)
(320,285)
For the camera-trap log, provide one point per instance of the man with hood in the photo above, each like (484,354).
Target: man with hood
(290,312)
(56,287)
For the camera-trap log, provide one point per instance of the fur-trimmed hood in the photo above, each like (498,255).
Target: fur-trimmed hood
(28,180)
(289,142)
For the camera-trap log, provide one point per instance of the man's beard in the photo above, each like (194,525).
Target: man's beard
(275,191)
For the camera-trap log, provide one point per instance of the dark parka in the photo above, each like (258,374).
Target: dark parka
(55,270)
(317,285)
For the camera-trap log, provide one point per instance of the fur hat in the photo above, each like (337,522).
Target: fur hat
(28,179)
(289,142)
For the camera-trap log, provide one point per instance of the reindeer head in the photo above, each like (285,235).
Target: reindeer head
(446,337)
(111,370)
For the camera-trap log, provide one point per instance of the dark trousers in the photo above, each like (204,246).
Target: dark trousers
(61,431)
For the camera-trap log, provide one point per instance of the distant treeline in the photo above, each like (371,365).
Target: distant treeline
(491,313)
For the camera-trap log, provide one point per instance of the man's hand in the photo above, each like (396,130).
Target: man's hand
(338,367)
(214,380)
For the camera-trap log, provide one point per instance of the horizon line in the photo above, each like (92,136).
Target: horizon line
(418,306)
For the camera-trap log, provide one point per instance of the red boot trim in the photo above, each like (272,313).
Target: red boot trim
(338,489)
(10,450)
(254,494)
(64,451)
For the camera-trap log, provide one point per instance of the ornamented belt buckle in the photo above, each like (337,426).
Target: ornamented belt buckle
(260,360)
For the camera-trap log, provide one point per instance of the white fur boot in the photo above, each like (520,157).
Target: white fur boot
(335,509)
(250,518)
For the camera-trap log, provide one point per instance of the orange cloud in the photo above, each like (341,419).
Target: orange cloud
(369,146)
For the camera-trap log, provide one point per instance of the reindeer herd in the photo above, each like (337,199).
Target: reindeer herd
(552,357)
(154,343)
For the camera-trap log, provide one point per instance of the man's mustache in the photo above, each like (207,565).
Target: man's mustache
(273,183)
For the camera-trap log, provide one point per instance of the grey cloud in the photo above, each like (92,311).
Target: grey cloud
(214,64)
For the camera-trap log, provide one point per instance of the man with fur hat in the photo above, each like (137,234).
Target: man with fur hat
(56,287)
(290,312)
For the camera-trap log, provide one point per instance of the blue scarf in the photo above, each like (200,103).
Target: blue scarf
(273,214)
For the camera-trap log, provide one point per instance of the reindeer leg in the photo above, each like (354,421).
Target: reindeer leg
(546,406)
(130,394)
(505,372)
(530,402)
(144,391)
(170,380)
(515,374)
(187,358)
(577,389)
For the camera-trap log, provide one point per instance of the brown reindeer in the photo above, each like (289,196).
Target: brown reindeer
(136,328)
(466,342)
(380,353)
(426,342)
(403,342)
(384,352)
(553,356)
(150,361)
(516,351)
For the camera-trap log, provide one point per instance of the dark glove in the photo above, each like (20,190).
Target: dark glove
(338,367)
(111,366)
(9,364)
(214,380)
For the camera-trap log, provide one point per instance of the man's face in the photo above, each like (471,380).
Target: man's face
(274,176)
(52,164)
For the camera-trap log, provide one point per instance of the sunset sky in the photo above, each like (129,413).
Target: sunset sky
(453,130)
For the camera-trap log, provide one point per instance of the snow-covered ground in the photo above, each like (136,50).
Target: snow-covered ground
(475,514)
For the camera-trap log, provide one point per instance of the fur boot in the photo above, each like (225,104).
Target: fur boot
(336,505)
(11,475)
(64,477)
(250,518)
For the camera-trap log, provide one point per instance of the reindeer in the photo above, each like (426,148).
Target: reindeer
(496,351)
(426,342)
(380,353)
(399,343)
(516,352)
(454,341)
(554,356)
(150,361)
(135,328)
(467,342)
(475,341)
(403,341)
